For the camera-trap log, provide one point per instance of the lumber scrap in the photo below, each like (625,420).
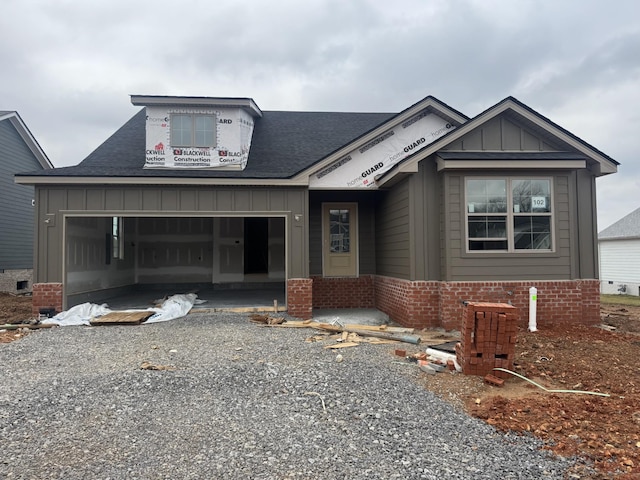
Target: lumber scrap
(122,318)
(380,328)
(17,326)
(336,346)
(414,339)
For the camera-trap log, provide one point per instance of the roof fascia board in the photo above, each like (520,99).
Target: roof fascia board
(509,164)
(507,104)
(431,102)
(246,104)
(28,138)
(50,180)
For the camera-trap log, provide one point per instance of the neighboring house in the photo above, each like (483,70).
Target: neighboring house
(412,213)
(620,256)
(19,151)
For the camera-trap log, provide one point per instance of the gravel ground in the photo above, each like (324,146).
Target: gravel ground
(243,402)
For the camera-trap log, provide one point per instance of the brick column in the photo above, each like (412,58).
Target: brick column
(300,297)
(46,295)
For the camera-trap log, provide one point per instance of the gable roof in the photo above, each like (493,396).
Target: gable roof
(14,118)
(272,154)
(287,147)
(626,227)
(537,122)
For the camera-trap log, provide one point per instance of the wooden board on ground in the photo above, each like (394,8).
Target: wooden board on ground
(122,318)
(342,345)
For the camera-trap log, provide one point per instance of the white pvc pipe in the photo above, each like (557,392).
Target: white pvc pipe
(533,299)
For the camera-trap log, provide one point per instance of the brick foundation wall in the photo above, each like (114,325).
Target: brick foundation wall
(412,304)
(441,304)
(559,302)
(46,295)
(300,297)
(343,292)
(488,339)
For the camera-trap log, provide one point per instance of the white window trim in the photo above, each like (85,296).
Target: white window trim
(509,214)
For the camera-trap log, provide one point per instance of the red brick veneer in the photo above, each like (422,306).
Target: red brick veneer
(428,304)
(412,304)
(46,295)
(343,292)
(300,297)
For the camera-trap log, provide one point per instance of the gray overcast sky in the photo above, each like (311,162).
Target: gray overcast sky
(68,66)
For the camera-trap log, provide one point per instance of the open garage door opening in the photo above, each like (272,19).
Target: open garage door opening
(129,262)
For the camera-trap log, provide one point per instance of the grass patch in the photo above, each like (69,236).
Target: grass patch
(629,300)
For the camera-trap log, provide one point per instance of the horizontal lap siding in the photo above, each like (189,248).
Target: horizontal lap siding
(462,266)
(163,201)
(393,233)
(16,220)
(620,261)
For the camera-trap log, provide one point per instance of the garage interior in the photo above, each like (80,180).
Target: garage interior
(131,262)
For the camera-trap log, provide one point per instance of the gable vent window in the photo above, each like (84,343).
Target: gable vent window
(509,214)
(193,130)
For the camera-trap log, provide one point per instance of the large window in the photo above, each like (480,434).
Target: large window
(508,214)
(192,130)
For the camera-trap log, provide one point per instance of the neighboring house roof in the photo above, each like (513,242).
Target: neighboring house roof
(627,227)
(29,139)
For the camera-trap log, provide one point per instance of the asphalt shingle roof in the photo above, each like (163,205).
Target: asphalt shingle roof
(283,144)
(626,227)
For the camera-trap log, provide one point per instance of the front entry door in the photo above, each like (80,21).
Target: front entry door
(340,239)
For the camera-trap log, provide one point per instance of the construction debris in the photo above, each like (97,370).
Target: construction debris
(18,326)
(151,366)
(122,318)
(266,319)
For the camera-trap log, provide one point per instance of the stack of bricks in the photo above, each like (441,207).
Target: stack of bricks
(488,338)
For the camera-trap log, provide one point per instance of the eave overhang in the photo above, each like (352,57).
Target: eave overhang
(246,104)
(173,181)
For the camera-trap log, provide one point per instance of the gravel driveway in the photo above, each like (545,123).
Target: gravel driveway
(243,402)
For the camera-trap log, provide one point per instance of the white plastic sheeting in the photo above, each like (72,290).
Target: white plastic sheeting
(175,306)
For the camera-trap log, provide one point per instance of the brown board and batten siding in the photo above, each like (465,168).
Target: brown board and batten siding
(393,232)
(574,225)
(54,203)
(502,133)
(426,214)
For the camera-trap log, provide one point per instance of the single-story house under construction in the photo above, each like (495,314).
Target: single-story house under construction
(412,213)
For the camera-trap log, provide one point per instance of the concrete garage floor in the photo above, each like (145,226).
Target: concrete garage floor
(214,297)
(259,298)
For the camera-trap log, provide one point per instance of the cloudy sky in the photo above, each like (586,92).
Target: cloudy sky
(69,66)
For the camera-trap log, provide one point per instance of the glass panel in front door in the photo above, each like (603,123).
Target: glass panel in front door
(339,230)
